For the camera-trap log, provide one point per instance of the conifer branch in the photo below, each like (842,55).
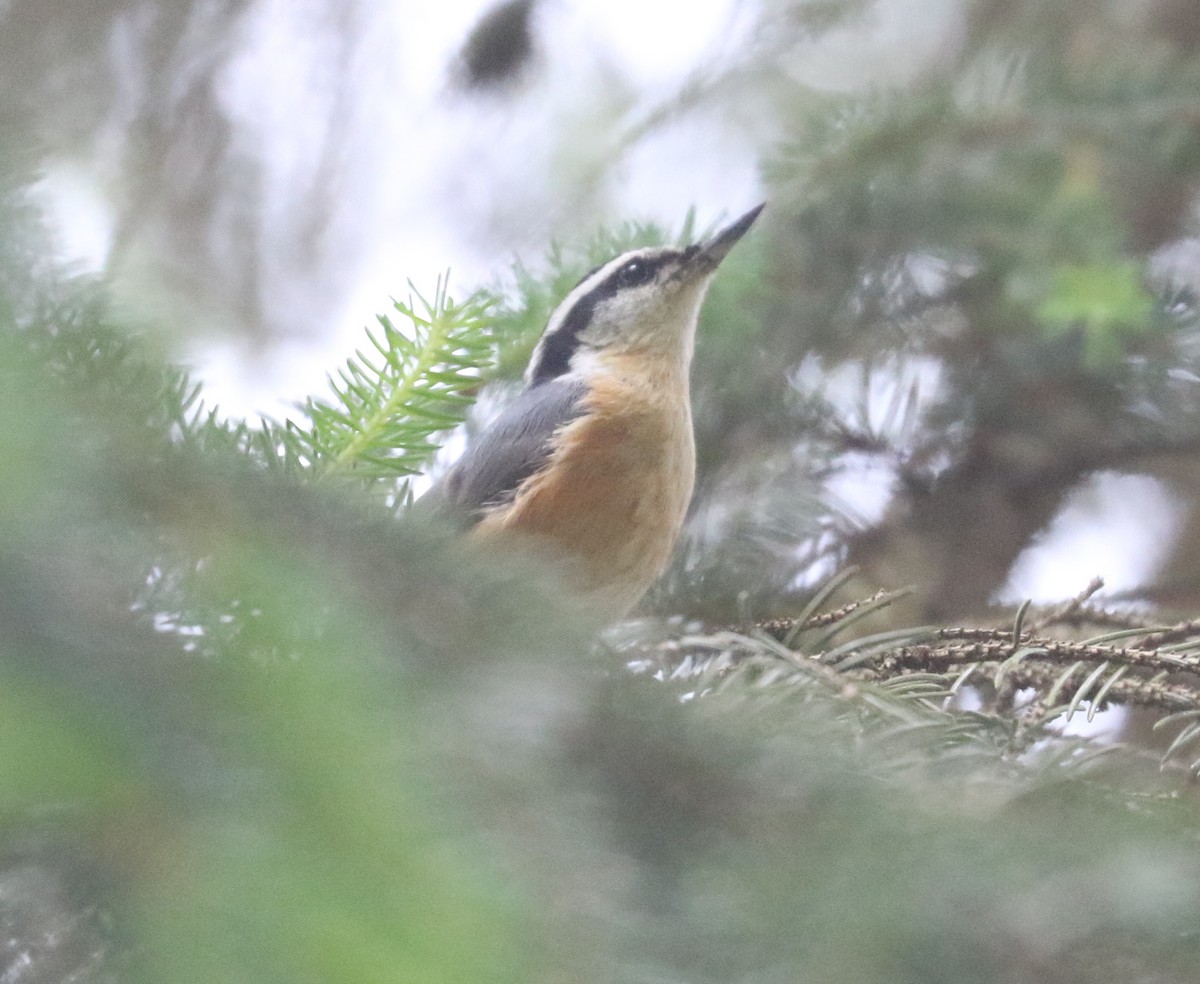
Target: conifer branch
(388,404)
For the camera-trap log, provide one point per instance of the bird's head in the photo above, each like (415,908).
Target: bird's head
(645,301)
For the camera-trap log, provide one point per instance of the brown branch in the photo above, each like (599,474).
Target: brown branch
(1151,692)
(1037,675)
(969,645)
(1071,609)
(1089,615)
(1175,633)
(780,628)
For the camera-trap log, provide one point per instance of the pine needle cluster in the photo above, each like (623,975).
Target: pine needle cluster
(414,380)
(390,401)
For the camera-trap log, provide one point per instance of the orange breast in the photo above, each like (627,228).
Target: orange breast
(614,494)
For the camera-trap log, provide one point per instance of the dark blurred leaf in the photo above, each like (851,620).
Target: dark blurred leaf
(499,46)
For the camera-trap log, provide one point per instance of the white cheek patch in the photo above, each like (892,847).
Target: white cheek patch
(624,312)
(587,362)
(656,317)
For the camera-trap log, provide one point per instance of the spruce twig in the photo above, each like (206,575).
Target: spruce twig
(1071,609)
(388,404)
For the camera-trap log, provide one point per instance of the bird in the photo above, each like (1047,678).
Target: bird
(594,461)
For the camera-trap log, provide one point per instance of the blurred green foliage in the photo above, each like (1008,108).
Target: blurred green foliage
(1105,302)
(1003,223)
(254,729)
(230,753)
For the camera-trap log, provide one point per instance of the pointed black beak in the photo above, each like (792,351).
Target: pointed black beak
(715,250)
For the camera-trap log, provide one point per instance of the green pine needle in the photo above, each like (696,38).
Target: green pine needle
(412,383)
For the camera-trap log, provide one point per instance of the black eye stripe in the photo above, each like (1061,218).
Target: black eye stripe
(646,267)
(588,276)
(635,273)
(632,273)
(561,344)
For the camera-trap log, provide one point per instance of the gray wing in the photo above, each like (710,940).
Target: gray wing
(514,446)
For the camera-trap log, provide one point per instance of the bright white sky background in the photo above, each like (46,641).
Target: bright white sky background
(428,180)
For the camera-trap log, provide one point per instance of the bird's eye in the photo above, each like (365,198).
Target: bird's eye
(634,273)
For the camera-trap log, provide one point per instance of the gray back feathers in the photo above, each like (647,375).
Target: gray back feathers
(512,448)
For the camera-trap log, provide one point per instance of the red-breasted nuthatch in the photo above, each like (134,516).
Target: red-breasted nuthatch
(596,457)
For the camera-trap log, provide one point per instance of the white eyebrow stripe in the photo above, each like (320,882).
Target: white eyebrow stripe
(585,287)
(577,294)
